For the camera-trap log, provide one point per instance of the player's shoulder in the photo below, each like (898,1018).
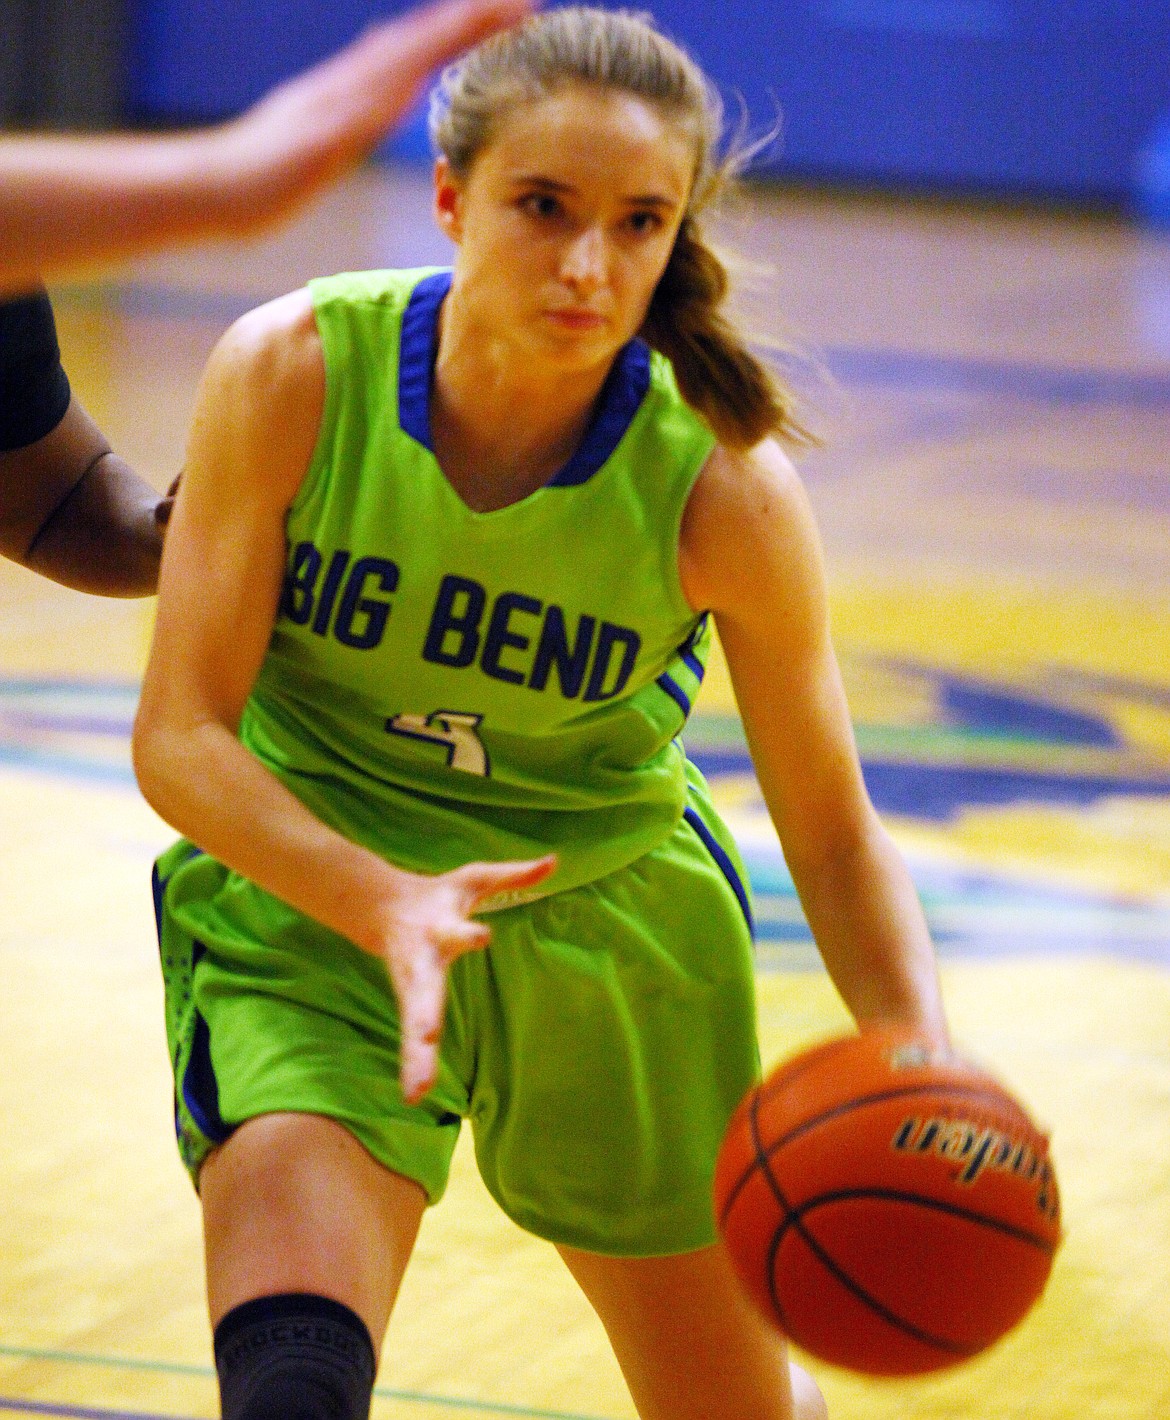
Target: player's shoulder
(370,306)
(747,514)
(280,331)
(747,485)
(272,352)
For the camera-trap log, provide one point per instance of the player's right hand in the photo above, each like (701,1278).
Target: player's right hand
(427,925)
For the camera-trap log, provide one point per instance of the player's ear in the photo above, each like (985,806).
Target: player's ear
(448,200)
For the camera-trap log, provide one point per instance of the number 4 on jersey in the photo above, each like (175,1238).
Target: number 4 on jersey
(455,730)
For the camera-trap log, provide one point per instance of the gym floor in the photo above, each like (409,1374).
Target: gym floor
(994,494)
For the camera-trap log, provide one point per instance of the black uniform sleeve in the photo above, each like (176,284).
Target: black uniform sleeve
(34,389)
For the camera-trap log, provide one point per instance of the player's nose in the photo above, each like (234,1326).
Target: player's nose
(585,260)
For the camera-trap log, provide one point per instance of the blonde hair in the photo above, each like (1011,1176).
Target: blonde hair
(717,372)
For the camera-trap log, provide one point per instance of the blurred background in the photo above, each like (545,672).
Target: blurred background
(1065,100)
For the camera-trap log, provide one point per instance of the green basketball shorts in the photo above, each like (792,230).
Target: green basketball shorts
(598,1046)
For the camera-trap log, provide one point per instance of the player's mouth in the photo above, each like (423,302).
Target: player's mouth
(574,318)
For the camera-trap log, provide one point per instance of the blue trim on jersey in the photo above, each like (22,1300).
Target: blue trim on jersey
(687,650)
(418,346)
(726,866)
(675,691)
(624,390)
(621,396)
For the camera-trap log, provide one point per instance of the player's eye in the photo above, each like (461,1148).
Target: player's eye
(643,223)
(540,204)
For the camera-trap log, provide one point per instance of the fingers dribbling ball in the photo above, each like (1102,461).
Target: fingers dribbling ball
(889,1206)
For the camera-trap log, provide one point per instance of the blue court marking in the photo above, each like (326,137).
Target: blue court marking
(973,916)
(67,766)
(78,729)
(81,688)
(81,1412)
(911,371)
(905,370)
(1054,741)
(173,1368)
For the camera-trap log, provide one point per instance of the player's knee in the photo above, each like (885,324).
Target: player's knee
(294,1357)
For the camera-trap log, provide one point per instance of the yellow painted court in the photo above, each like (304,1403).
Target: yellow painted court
(994,495)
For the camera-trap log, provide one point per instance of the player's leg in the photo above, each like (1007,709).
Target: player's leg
(689,1343)
(293,1203)
(307,1237)
(313,1170)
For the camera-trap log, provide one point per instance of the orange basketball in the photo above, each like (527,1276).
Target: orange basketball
(889,1206)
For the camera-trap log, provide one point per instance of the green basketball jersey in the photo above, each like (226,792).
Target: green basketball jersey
(445,685)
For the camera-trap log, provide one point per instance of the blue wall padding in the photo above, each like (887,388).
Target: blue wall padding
(1054,97)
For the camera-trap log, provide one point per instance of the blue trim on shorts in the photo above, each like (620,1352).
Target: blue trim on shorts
(200,1087)
(158,885)
(726,866)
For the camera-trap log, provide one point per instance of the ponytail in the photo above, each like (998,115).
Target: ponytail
(717,373)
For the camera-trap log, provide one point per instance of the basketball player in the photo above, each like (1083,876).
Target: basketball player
(69,507)
(439,590)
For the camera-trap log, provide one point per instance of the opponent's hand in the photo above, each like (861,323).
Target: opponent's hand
(312,127)
(166,504)
(428,925)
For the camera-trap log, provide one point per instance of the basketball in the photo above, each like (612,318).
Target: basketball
(889,1206)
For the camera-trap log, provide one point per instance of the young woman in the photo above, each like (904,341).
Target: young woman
(438,591)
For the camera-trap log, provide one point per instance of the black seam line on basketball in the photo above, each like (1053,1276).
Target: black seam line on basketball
(899,1323)
(791,1219)
(762,1160)
(893,1195)
(968,1092)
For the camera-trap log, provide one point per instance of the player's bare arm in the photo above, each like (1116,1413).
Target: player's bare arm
(75,512)
(750,553)
(67,203)
(255,426)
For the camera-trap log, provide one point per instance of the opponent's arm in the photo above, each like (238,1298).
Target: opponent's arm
(255,426)
(75,512)
(71,202)
(751,554)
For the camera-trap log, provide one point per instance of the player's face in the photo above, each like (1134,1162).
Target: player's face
(566,222)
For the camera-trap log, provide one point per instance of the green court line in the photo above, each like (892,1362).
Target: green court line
(178,1368)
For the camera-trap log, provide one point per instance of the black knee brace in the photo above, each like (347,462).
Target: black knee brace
(294,1357)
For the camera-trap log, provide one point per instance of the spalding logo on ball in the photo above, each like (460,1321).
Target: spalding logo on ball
(888,1205)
